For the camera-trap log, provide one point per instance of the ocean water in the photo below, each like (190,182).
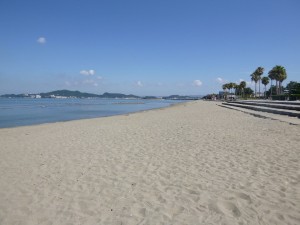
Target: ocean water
(24,111)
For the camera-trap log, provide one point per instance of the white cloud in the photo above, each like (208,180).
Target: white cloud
(90,82)
(84,72)
(220,80)
(99,77)
(87,72)
(41,40)
(139,84)
(92,72)
(197,83)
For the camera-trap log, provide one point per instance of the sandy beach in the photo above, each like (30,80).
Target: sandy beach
(192,163)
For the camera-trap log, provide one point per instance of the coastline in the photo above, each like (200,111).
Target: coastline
(47,111)
(188,163)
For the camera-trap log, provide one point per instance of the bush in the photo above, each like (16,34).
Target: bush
(279,97)
(294,97)
(291,97)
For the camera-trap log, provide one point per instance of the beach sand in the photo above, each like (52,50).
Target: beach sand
(192,163)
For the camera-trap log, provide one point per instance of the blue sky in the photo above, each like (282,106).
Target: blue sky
(144,47)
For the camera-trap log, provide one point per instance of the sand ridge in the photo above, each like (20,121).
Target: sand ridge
(193,163)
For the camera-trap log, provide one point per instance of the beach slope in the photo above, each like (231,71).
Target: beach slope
(192,163)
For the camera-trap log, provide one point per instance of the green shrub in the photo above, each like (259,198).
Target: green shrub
(279,97)
(294,97)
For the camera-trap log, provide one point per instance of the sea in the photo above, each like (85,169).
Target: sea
(16,112)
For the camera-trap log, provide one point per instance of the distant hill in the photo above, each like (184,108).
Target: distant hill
(78,94)
(150,97)
(67,93)
(117,95)
(179,97)
(14,96)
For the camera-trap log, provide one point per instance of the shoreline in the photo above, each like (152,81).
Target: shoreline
(190,163)
(103,116)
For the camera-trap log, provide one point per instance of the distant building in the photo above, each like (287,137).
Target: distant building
(231,97)
(227,96)
(222,94)
(34,96)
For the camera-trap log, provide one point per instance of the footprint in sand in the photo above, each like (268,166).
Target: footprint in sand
(177,210)
(142,212)
(228,208)
(244,197)
(225,207)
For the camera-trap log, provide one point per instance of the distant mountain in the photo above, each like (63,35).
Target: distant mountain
(150,97)
(67,93)
(117,95)
(14,96)
(179,97)
(78,94)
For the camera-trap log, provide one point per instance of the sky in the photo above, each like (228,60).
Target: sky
(144,47)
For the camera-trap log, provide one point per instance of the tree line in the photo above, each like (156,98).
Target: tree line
(277,73)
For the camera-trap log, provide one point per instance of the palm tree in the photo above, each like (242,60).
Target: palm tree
(238,89)
(224,87)
(230,86)
(235,87)
(279,74)
(259,71)
(242,87)
(254,78)
(282,77)
(272,77)
(265,81)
